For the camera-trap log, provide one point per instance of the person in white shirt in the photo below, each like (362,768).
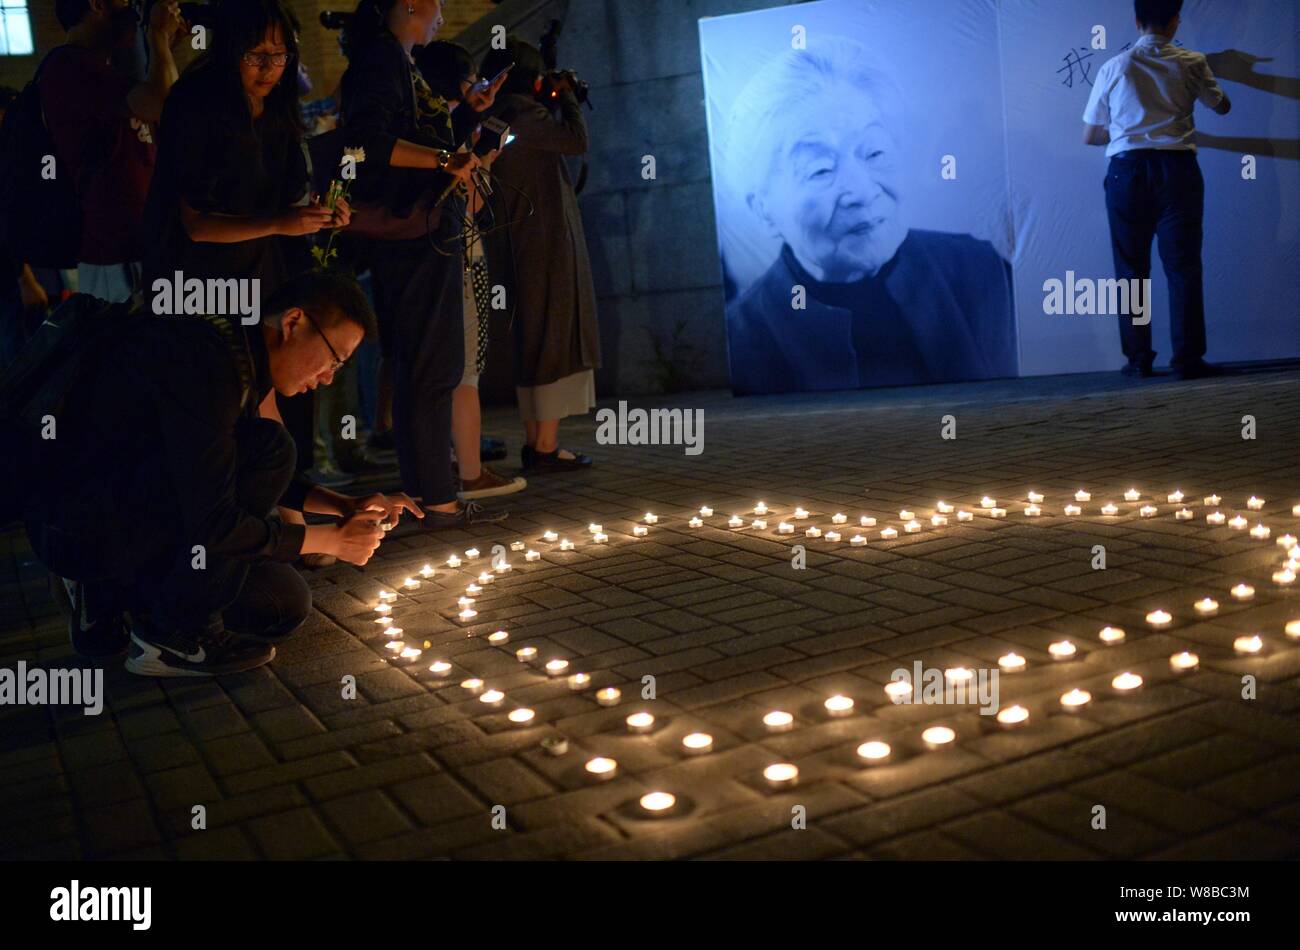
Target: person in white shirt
(1141,110)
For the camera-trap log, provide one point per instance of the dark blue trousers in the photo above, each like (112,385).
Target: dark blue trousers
(1160,194)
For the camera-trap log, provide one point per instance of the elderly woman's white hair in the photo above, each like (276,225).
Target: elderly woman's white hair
(795,82)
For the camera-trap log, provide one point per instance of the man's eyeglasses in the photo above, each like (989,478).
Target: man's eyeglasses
(338,363)
(260,60)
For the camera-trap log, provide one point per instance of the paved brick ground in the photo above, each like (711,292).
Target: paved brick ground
(414,766)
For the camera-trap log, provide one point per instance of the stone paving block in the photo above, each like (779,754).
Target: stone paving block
(374,775)
(1002,835)
(220,844)
(365,816)
(296,835)
(112,829)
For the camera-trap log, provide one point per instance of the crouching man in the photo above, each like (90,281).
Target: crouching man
(158,498)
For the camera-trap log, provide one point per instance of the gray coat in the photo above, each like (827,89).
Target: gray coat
(542,259)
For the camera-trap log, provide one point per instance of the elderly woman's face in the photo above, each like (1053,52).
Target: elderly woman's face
(833,194)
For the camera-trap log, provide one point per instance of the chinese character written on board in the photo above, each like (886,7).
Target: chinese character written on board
(1077,68)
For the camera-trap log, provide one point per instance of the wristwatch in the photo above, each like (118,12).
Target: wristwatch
(444,158)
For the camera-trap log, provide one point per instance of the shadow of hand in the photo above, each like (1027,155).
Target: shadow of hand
(1235,65)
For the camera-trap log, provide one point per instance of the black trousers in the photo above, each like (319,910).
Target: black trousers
(1160,194)
(420,308)
(143,565)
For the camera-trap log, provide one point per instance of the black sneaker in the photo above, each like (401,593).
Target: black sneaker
(96,630)
(214,651)
(1138,370)
(470,513)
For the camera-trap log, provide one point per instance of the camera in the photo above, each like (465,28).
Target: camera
(550,92)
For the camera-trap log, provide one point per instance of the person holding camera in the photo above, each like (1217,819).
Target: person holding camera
(543,259)
(412,242)
(177,527)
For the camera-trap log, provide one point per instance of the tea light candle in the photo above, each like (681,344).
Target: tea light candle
(800,514)
(785,528)
(1013,716)
(517,545)
(1159,618)
(1073,510)
(1035,498)
(839,705)
(963,515)
(594,528)
(781,775)
(1111,635)
(857,540)
(533,556)
(640,531)
(485,578)
(987,502)
(1243,592)
(601,768)
(1132,495)
(555,745)
(944,509)
(526,654)
(758,524)
(469,613)
(940,520)
(778,721)
(1184,514)
(473,589)
(465,602)
(1248,646)
(1062,650)
(600,538)
(521,716)
(1295,510)
(1260,532)
(1126,682)
(1287,541)
(697,743)
(889,533)
(502,567)
(641,722)
(557,667)
(1255,504)
(839,518)
(387,595)
(453,561)
(867,521)
(832,536)
(996,513)
(1216,518)
(579,681)
(735,521)
(1184,662)
(498,637)
(695,523)
(410,653)
(410,583)
(898,690)
(472,685)
(384,608)
(906,515)
(383,620)
(609,696)
(651,518)
(440,668)
(1284,576)
(760,509)
(1075,699)
(937,737)
(1293,629)
(1212,501)
(395,645)
(1147,511)
(492,697)
(1237,523)
(1033,511)
(1175,497)
(658,803)
(566,545)
(912,527)
(874,752)
(958,674)
(1206,605)
(550,536)
(1011,663)
(1082,495)
(1109,509)
(472,553)
(814,532)
(392,631)
(706,512)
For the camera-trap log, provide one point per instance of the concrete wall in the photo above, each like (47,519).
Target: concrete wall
(653,242)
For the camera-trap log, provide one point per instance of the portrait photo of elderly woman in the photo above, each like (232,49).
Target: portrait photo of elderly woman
(855,296)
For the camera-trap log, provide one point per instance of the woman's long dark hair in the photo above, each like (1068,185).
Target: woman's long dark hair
(367,23)
(239,26)
(444,65)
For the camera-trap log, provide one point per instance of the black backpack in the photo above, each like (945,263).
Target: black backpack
(40,218)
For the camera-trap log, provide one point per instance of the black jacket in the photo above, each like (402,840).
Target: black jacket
(953,290)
